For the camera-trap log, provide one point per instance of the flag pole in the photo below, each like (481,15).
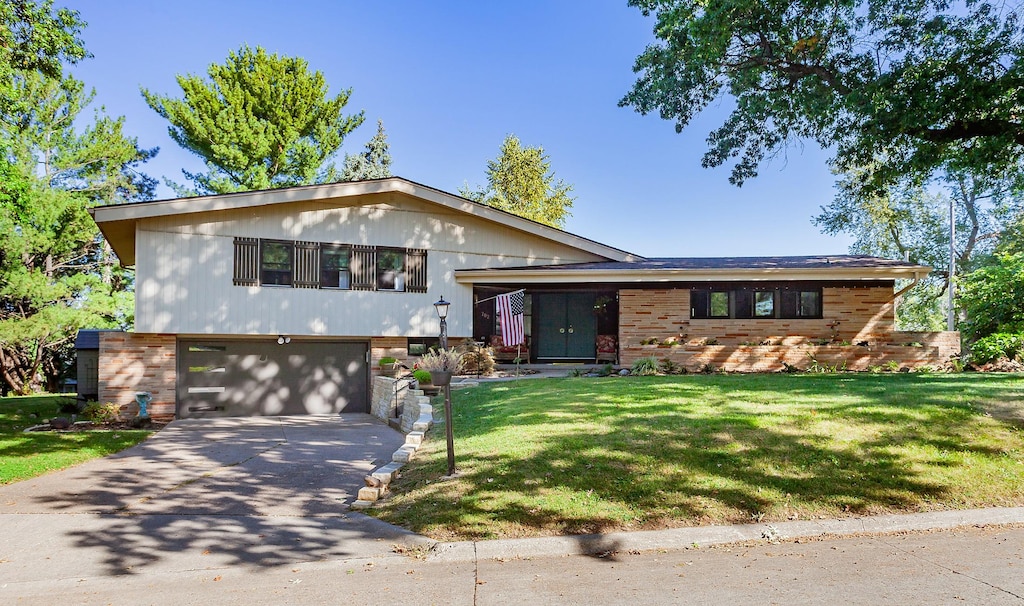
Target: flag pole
(518,356)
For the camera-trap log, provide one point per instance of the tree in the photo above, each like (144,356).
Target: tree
(911,221)
(374,163)
(56,275)
(911,87)
(35,38)
(259,122)
(520,181)
(993,298)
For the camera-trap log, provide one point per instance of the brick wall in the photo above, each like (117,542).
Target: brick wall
(850,314)
(398,348)
(132,362)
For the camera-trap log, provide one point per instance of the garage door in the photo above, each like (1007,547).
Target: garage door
(249,378)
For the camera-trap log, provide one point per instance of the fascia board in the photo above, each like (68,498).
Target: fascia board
(104,215)
(557,276)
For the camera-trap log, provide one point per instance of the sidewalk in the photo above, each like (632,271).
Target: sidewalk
(963,566)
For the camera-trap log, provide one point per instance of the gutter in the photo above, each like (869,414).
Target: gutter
(907,287)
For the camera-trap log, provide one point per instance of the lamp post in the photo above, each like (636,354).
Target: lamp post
(442,314)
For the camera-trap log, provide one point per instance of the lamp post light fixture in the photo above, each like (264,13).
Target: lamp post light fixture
(442,314)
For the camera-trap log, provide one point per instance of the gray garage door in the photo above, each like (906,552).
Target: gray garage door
(249,378)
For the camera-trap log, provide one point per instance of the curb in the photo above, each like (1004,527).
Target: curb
(684,538)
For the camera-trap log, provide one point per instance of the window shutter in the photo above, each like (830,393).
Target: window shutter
(364,268)
(416,270)
(307,265)
(247,262)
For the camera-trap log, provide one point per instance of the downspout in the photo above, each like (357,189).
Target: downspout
(907,287)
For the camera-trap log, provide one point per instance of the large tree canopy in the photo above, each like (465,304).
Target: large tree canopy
(34,37)
(912,221)
(520,181)
(56,274)
(259,121)
(907,86)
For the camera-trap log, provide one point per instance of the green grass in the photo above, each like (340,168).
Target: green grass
(565,456)
(27,455)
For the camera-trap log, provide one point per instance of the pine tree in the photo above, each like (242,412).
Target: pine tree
(259,121)
(520,181)
(374,163)
(56,274)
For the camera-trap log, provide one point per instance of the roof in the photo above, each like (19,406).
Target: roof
(118,222)
(812,267)
(89,338)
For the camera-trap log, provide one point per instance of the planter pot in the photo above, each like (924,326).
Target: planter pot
(440,378)
(389,370)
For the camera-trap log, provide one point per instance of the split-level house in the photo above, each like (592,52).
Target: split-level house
(281,301)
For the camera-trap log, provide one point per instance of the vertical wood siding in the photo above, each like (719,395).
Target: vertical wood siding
(185,269)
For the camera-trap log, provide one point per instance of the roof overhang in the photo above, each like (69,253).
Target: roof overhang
(118,222)
(553,275)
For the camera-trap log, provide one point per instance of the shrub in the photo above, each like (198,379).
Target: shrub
(477,360)
(998,345)
(993,298)
(422,376)
(442,360)
(645,367)
(606,370)
(101,413)
(668,367)
(387,360)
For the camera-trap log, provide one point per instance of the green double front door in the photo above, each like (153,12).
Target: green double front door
(566,325)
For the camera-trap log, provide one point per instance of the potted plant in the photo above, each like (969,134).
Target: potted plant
(424,381)
(441,364)
(388,366)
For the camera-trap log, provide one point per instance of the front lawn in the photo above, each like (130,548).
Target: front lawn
(26,455)
(566,456)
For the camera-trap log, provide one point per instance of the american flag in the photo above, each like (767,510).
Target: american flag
(510,318)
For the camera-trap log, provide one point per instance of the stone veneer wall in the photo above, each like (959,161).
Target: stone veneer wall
(862,315)
(132,362)
(383,404)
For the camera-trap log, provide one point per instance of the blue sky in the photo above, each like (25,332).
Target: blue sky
(451,79)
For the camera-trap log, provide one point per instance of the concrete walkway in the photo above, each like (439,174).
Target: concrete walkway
(252,511)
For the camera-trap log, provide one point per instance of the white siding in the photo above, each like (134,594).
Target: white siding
(184,266)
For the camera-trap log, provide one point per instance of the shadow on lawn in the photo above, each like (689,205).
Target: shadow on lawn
(223,494)
(674,452)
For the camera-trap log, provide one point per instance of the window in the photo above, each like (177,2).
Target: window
(756,303)
(719,305)
(390,269)
(328,265)
(801,304)
(334,266)
(276,263)
(709,304)
(764,304)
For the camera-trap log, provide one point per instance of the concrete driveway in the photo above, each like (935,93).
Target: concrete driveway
(203,494)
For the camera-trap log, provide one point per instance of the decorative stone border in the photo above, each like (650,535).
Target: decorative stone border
(417,418)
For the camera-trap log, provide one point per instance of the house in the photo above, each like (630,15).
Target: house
(280,301)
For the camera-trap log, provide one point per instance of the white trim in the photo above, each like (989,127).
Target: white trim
(111,219)
(653,276)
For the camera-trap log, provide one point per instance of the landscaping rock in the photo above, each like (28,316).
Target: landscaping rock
(140,422)
(60,423)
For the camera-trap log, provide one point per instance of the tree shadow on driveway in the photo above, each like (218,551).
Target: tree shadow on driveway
(208,494)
